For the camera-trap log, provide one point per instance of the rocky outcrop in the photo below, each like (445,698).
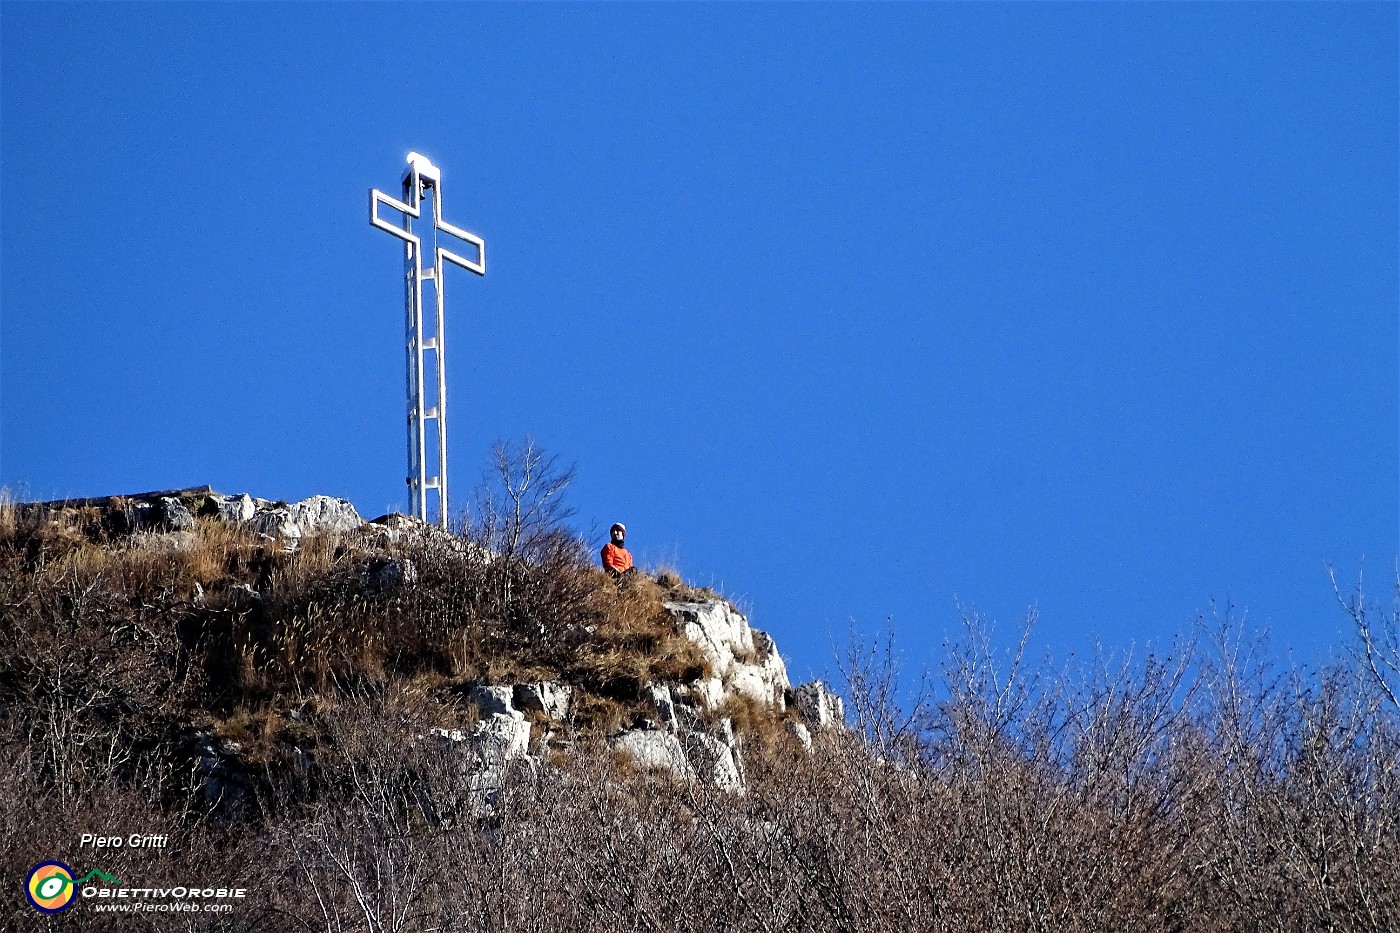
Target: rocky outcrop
(745,661)
(819,706)
(175,511)
(396,527)
(489,753)
(318,514)
(802,734)
(495,701)
(229,508)
(551,699)
(681,727)
(714,762)
(655,750)
(173,514)
(658,697)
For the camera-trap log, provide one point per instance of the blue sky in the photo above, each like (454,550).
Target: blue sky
(859,312)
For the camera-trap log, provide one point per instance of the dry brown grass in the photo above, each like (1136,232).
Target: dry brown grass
(758,726)
(675,589)
(593,712)
(635,642)
(263,628)
(8,512)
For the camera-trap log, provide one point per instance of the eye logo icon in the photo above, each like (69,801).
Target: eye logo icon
(50,887)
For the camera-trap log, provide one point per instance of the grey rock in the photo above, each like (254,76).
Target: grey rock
(485,786)
(659,696)
(492,752)
(493,701)
(552,699)
(393,574)
(396,527)
(801,733)
(502,737)
(655,750)
(716,628)
(173,515)
(276,523)
(708,691)
(324,513)
(494,740)
(714,762)
(317,514)
(142,516)
(819,706)
(771,667)
(724,731)
(745,660)
(747,680)
(230,508)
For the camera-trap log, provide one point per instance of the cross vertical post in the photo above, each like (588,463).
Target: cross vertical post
(420,178)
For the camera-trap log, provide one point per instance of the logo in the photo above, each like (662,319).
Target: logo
(50,887)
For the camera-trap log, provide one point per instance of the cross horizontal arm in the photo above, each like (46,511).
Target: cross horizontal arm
(478,267)
(376,198)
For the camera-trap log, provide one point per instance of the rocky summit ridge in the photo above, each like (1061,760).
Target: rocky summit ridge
(682,725)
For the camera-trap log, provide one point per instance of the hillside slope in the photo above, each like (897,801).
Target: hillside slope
(380,726)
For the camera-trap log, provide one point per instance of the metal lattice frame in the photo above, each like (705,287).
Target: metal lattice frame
(420,177)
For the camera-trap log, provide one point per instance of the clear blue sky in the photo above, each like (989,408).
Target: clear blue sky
(857,311)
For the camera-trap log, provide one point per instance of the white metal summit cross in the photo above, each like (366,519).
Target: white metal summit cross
(420,177)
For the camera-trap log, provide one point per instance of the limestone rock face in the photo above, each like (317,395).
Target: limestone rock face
(276,523)
(496,746)
(659,696)
(495,701)
(803,735)
(656,750)
(770,663)
(495,740)
(502,737)
(229,508)
(714,762)
(749,681)
(174,516)
(692,757)
(819,706)
(324,513)
(717,628)
(552,699)
(309,516)
(745,660)
(709,691)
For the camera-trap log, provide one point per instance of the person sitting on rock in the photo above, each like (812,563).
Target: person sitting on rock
(617,560)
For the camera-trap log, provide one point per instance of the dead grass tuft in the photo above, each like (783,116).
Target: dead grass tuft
(760,726)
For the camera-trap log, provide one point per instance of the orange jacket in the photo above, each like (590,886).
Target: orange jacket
(617,559)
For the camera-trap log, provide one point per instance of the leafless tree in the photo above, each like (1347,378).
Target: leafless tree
(520,504)
(1379,633)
